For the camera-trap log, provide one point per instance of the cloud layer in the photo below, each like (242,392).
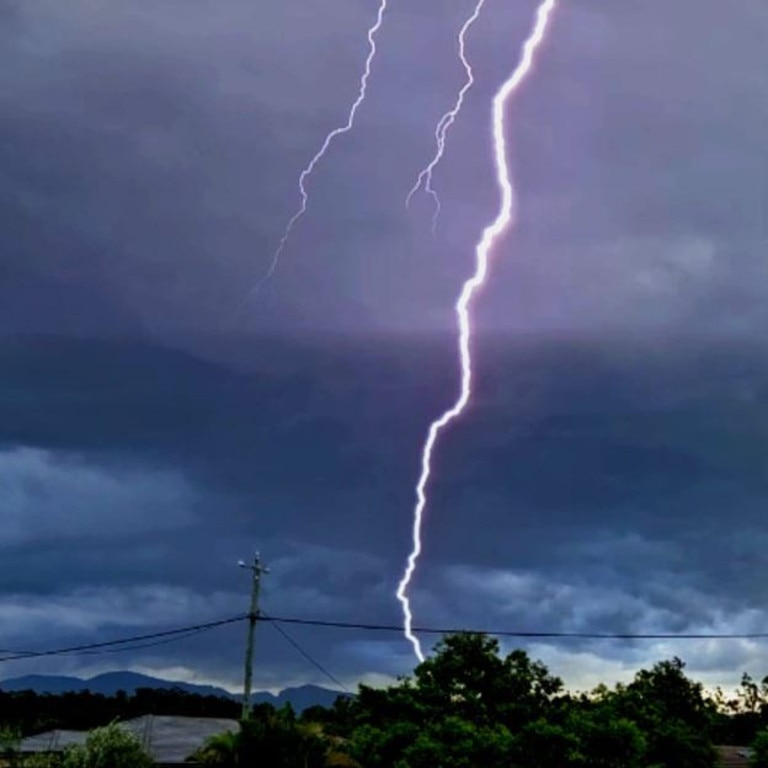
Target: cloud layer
(611,471)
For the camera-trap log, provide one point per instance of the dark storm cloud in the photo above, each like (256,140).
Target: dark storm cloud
(148,161)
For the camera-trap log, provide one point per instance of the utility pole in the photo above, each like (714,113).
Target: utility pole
(256,569)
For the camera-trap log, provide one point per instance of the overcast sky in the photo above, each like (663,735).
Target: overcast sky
(611,473)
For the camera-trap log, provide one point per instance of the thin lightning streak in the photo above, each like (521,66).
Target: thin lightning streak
(307,172)
(463,305)
(424,178)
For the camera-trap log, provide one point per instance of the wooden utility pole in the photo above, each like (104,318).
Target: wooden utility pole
(257,569)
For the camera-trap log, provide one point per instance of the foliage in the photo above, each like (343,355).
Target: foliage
(742,717)
(108,747)
(673,713)
(44,760)
(544,744)
(467,677)
(268,731)
(607,740)
(10,737)
(759,756)
(462,709)
(277,732)
(219,750)
(467,706)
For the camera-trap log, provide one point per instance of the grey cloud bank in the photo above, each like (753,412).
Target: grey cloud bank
(593,487)
(611,473)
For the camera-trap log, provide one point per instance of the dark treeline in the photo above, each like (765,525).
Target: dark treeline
(27,712)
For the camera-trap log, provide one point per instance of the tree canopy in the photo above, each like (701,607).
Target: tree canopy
(468,705)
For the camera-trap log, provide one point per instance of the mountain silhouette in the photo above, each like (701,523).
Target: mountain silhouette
(110,683)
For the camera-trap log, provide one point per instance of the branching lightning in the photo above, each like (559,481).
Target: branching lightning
(336,132)
(424,178)
(464,303)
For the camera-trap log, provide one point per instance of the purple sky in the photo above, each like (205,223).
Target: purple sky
(611,474)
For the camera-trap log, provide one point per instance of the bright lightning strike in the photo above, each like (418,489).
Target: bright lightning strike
(307,172)
(463,305)
(424,178)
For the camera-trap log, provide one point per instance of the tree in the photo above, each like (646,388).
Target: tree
(759,756)
(742,717)
(31,712)
(454,742)
(219,750)
(462,708)
(543,744)
(108,747)
(467,677)
(673,713)
(752,697)
(44,760)
(469,706)
(271,732)
(10,739)
(606,740)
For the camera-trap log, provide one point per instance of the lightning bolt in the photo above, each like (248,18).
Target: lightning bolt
(464,303)
(335,133)
(424,178)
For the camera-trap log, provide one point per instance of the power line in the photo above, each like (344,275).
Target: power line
(520,633)
(109,645)
(152,644)
(137,642)
(306,654)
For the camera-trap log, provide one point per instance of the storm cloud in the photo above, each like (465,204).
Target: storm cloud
(611,472)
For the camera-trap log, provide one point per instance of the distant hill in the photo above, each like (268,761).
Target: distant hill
(111,682)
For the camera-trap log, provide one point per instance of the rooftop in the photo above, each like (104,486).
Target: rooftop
(733,757)
(170,740)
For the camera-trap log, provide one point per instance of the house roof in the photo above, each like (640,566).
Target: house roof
(733,757)
(52,741)
(173,739)
(168,739)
